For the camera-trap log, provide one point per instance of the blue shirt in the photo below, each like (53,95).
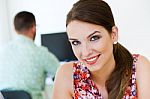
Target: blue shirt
(23,65)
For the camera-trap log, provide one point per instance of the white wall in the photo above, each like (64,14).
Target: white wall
(50,14)
(133,20)
(131,16)
(4,27)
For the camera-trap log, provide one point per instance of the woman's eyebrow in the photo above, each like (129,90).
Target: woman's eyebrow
(72,39)
(88,35)
(94,33)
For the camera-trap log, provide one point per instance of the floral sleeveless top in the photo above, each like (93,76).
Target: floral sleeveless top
(84,87)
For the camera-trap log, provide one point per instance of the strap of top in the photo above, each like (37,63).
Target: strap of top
(131,90)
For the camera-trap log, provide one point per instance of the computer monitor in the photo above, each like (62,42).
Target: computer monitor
(58,44)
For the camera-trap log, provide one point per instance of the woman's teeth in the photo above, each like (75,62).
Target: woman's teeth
(91,59)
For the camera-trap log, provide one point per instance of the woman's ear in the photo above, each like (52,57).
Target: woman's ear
(114,34)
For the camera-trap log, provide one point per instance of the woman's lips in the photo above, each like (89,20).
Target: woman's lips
(91,60)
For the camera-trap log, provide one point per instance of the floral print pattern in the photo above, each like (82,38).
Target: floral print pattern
(131,90)
(84,87)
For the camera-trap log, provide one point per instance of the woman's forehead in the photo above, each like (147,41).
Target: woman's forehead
(78,28)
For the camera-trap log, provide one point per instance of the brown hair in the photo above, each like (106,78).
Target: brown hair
(24,20)
(99,12)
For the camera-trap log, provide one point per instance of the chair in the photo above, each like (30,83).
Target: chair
(15,94)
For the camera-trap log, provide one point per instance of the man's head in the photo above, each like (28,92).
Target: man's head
(25,23)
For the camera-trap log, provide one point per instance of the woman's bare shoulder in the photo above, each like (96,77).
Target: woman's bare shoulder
(143,77)
(142,66)
(63,83)
(143,63)
(65,70)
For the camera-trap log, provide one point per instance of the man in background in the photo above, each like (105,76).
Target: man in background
(23,65)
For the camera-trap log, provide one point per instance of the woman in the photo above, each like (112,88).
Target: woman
(105,69)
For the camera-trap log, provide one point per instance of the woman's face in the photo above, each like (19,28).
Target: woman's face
(91,44)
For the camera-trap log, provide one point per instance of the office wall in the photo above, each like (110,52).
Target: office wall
(5,35)
(50,14)
(132,18)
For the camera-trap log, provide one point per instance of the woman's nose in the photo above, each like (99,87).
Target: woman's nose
(86,50)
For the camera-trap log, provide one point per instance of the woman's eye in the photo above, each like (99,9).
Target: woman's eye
(75,43)
(94,38)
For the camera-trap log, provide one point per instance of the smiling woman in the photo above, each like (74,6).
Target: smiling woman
(94,44)
(105,69)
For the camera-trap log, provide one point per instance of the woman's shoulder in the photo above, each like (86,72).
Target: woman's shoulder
(63,83)
(66,69)
(143,77)
(143,62)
